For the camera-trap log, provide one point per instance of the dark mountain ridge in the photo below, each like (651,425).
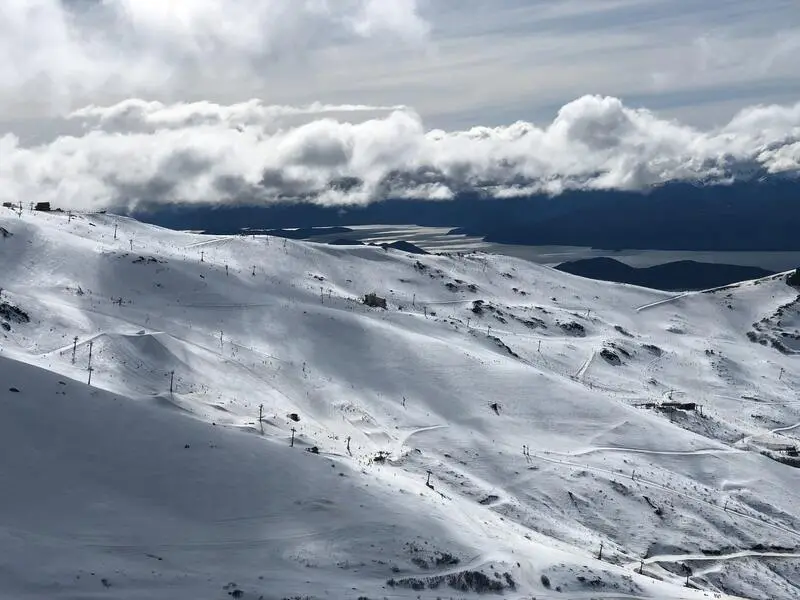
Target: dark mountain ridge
(679,275)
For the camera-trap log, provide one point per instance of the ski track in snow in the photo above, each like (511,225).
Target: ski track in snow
(585,366)
(698,452)
(712,558)
(662,302)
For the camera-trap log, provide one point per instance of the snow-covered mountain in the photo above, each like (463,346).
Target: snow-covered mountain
(499,428)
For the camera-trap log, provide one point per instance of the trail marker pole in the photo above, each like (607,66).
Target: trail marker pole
(171,381)
(348,446)
(115,231)
(74,348)
(781,374)
(90,369)
(90,354)
(291,443)
(202,256)
(600,555)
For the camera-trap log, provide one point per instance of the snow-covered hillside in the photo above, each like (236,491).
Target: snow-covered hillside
(499,428)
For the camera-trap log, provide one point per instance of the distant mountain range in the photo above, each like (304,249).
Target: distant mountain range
(752,215)
(678,275)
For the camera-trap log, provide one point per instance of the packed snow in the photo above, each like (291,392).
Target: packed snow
(253,429)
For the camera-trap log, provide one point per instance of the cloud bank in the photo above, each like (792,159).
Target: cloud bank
(144,152)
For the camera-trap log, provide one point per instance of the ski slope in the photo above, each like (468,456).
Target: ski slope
(533,399)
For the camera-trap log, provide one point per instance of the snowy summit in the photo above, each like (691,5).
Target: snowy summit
(186,416)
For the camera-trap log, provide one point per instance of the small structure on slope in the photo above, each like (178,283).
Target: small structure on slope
(372,299)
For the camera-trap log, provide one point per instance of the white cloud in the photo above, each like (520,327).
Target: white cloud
(208,153)
(481,62)
(135,113)
(53,51)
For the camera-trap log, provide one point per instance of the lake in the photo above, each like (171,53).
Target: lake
(435,239)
